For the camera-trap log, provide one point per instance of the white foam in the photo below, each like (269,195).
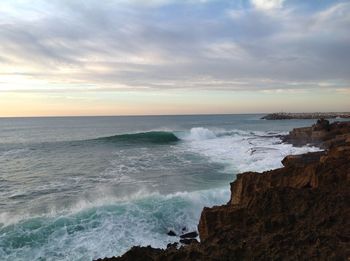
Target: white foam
(197,134)
(238,150)
(111,230)
(14,152)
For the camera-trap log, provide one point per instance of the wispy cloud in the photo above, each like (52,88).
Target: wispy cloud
(267,4)
(163,44)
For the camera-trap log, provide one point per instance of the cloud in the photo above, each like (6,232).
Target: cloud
(208,45)
(345,91)
(267,4)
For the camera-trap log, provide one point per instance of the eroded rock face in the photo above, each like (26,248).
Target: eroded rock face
(321,172)
(298,212)
(321,134)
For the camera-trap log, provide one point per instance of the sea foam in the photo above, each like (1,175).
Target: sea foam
(107,224)
(107,229)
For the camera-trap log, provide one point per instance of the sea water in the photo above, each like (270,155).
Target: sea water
(79,188)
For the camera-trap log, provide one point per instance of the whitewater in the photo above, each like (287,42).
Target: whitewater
(88,187)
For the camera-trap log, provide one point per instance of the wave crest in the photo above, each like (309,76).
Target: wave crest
(155,137)
(200,133)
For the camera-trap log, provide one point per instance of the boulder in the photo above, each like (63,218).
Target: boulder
(171,233)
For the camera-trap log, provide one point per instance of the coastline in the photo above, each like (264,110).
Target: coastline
(304,116)
(299,211)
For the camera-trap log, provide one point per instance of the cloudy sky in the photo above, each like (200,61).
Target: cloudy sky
(118,57)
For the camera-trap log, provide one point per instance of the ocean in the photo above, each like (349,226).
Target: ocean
(79,188)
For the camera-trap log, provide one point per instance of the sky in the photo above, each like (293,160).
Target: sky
(156,57)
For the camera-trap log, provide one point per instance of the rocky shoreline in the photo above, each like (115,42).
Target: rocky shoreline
(303,116)
(298,212)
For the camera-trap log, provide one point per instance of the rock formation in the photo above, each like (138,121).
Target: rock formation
(321,134)
(298,212)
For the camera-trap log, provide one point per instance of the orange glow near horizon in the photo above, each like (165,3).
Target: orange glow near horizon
(167,103)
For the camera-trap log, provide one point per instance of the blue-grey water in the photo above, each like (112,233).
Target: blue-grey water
(78,188)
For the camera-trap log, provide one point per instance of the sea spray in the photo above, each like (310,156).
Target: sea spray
(108,229)
(241,150)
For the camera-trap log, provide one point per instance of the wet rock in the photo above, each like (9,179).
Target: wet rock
(193,234)
(171,233)
(172,245)
(188,241)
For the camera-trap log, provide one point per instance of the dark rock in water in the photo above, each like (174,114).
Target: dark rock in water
(188,241)
(137,253)
(298,212)
(172,245)
(171,233)
(184,229)
(260,150)
(193,234)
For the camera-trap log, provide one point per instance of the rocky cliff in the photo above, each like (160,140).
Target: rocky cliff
(298,212)
(322,134)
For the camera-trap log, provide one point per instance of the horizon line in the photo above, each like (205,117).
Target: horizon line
(159,115)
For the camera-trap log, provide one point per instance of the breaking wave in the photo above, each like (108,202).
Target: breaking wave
(156,137)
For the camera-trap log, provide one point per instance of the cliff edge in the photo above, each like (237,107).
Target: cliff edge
(298,212)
